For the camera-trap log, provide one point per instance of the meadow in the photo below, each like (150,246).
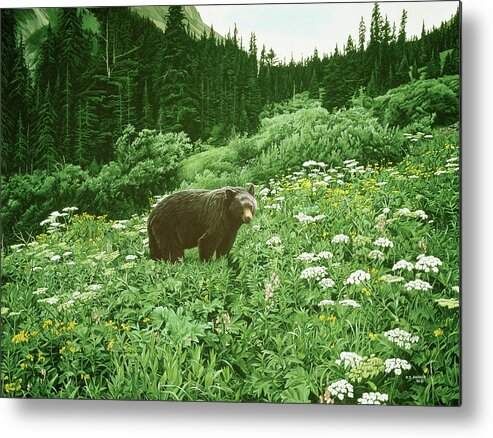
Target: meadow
(344,290)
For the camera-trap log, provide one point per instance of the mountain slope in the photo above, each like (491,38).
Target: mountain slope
(32,24)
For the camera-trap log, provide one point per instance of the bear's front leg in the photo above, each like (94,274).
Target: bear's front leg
(225,245)
(207,245)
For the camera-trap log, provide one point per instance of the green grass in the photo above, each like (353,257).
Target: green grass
(102,320)
(211,159)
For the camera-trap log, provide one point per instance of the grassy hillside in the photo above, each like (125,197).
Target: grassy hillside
(344,290)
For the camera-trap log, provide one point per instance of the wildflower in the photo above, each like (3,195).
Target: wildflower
(326,303)
(376,254)
(269,289)
(357,277)
(118,226)
(317,272)
(348,359)
(307,257)
(350,303)
(307,219)
(332,319)
(401,338)
(386,210)
(70,209)
(23,336)
(130,257)
(94,287)
(276,207)
(326,283)
(341,389)
(67,253)
(396,365)
(55,258)
(417,285)
(340,238)
(456,289)
(372,336)
(384,242)
(388,278)
(450,303)
(427,263)
(438,332)
(50,300)
(273,241)
(325,255)
(40,291)
(373,398)
(403,264)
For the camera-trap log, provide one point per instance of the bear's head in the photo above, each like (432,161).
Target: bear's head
(243,204)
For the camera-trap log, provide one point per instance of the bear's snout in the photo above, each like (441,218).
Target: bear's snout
(247,215)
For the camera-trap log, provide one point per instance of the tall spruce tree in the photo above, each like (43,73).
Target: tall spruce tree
(178,107)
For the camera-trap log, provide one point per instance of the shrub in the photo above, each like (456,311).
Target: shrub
(417,102)
(288,140)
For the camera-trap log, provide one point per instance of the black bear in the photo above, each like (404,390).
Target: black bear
(208,219)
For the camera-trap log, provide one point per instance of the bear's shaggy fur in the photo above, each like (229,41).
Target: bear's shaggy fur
(208,219)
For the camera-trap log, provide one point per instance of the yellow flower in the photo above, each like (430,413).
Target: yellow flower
(110,344)
(366,291)
(30,357)
(332,318)
(68,342)
(62,350)
(438,332)
(425,370)
(23,336)
(85,376)
(23,366)
(125,327)
(146,320)
(72,349)
(41,357)
(71,325)
(321,317)
(372,336)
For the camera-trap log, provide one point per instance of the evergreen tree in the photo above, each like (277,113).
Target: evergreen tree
(178,107)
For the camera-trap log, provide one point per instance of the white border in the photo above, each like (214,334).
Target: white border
(51,418)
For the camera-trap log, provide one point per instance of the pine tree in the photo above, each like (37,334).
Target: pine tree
(178,107)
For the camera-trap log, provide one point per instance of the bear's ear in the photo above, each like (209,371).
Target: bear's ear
(251,189)
(230,194)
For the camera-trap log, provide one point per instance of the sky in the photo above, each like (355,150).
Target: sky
(294,30)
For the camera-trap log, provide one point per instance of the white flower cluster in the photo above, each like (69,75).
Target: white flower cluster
(340,389)
(376,254)
(274,241)
(348,359)
(406,212)
(312,163)
(401,338)
(384,242)
(349,303)
(70,209)
(357,277)
(417,285)
(130,257)
(396,365)
(276,207)
(307,219)
(310,257)
(326,283)
(428,263)
(388,278)
(52,220)
(403,264)
(373,398)
(317,272)
(340,238)
(326,303)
